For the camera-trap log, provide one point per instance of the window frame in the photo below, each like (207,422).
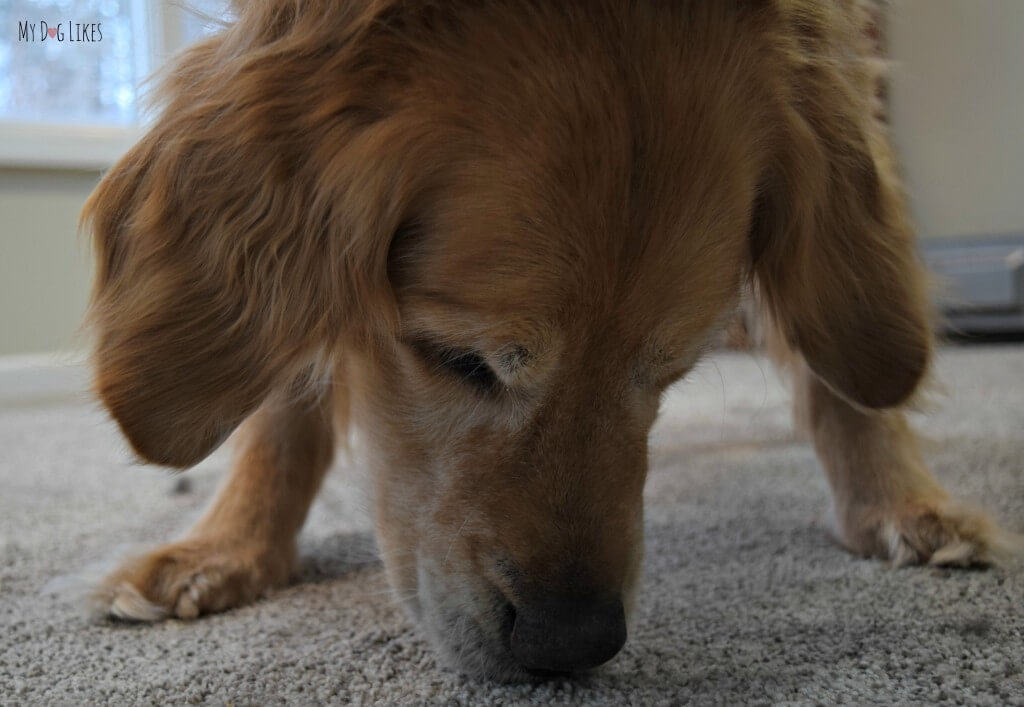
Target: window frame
(96,146)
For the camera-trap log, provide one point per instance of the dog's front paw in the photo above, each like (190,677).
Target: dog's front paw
(943,534)
(191,577)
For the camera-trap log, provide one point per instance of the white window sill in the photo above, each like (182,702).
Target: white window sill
(56,146)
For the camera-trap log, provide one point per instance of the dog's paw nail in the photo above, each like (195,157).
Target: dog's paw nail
(129,605)
(959,553)
(188,605)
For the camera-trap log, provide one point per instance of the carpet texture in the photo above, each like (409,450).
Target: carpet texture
(744,600)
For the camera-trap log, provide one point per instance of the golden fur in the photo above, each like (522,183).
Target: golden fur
(494,233)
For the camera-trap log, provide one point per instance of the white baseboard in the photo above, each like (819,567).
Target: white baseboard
(43,378)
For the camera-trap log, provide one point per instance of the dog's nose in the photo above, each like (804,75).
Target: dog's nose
(566,635)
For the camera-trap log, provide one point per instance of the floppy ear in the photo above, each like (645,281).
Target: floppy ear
(833,252)
(243,237)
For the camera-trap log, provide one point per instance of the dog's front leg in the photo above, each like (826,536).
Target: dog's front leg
(245,543)
(885,502)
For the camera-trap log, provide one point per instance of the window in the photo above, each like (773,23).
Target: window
(72,73)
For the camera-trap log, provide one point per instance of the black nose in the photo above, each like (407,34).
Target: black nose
(565,635)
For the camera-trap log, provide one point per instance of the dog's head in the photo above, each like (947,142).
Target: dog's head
(512,225)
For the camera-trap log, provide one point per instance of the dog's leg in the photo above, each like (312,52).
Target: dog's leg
(885,502)
(245,543)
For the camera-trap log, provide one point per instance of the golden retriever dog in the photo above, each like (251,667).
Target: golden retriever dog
(491,234)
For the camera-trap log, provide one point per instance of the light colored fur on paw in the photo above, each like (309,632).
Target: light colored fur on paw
(187,579)
(950,536)
(947,535)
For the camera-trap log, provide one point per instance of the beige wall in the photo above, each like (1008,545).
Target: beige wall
(44,269)
(957,106)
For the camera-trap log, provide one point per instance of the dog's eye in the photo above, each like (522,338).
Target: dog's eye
(470,367)
(467,365)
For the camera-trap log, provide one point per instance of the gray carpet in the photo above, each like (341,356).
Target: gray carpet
(744,600)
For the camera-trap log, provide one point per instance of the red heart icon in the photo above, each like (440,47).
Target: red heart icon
(52,31)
